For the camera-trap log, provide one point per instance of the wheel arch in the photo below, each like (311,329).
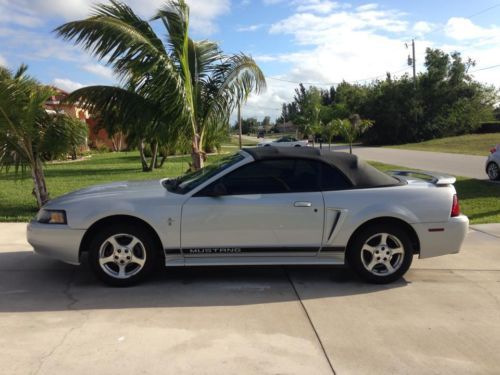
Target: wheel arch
(118,219)
(389,221)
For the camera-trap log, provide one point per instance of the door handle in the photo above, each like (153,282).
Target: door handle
(302,204)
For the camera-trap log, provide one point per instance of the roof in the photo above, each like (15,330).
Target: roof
(356,170)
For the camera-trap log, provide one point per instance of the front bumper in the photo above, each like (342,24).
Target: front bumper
(442,238)
(56,241)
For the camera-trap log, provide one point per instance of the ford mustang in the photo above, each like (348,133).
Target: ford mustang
(260,206)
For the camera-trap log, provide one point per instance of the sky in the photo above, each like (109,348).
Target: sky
(321,42)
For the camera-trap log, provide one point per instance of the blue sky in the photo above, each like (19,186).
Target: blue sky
(318,41)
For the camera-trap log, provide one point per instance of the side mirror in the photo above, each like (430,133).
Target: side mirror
(217,190)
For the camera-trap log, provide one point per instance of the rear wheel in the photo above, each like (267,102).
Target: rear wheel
(381,254)
(122,255)
(493,171)
(296,146)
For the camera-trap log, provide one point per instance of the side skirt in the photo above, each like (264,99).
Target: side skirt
(328,256)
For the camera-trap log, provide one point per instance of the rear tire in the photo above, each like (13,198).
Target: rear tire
(493,171)
(381,253)
(123,255)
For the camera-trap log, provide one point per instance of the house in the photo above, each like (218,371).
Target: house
(97,137)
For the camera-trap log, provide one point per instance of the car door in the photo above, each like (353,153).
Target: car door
(269,207)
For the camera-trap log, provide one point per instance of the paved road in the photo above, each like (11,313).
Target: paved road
(455,164)
(444,318)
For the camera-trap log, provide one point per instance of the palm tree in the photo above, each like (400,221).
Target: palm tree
(351,129)
(27,131)
(182,84)
(330,130)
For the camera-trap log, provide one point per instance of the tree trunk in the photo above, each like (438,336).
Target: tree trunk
(197,155)
(161,161)
(144,162)
(154,155)
(40,188)
(350,147)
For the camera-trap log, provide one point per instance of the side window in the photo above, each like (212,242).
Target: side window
(333,179)
(271,177)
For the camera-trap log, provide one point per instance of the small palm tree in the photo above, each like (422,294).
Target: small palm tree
(330,130)
(183,84)
(351,129)
(28,134)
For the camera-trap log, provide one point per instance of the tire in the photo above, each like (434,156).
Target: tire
(123,255)
(297,146)
(493,171)
(381,253)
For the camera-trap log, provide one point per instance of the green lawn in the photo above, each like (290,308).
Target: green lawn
(472,144)
(17,203)
(480,200)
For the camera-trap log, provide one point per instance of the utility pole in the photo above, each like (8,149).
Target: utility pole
(412,62)
(239,122)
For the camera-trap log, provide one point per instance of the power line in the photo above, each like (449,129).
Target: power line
(484,10)
(486,68)
(335,83)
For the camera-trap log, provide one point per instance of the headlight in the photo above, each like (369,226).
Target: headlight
(51,216)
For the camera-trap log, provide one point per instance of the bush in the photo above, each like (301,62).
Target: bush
(489,127)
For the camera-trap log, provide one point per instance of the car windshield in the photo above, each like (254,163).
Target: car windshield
(189,181)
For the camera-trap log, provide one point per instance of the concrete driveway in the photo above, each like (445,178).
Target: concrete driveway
(444,318)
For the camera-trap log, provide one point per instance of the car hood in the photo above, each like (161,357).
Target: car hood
(115,190)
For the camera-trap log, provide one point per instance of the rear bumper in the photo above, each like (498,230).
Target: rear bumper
(442,238)
(56,241)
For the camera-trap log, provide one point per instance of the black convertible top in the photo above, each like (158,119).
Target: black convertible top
(357,171)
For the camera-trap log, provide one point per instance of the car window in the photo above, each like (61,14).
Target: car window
(271,177)
(189,181)
(333,179)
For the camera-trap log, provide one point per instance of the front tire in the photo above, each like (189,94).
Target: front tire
(381,254)
(493,171)
(122,255)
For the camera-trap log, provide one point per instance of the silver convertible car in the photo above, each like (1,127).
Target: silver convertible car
(261,206)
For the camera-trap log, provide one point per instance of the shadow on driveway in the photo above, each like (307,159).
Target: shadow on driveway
(30,283)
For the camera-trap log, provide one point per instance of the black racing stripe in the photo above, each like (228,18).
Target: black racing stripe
(335,249)
(173,251)
(248,250)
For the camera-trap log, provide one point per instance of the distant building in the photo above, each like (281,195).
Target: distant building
(287,127)
(96,137)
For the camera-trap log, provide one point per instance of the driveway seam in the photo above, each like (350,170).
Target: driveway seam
(483,232)
(310,321)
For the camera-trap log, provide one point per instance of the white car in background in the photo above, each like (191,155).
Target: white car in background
(493,163)
(261,206)
(284,142)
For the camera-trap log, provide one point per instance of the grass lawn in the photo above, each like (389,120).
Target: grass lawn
(17,203)
(471,144)
(480,200)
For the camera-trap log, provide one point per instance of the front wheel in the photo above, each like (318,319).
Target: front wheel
(122,255)
(380,254)
(493,171)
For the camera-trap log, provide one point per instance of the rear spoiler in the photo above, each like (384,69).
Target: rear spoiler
(435,178)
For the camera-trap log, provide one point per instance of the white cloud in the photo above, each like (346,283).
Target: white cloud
(463,29)
(367,7)
(30,12)
(250,28)
(317,6)
(3,61)
(100,70)
(67,84)
(421,28)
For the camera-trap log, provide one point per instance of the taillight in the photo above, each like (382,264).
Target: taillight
(455,208)
(493,150)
